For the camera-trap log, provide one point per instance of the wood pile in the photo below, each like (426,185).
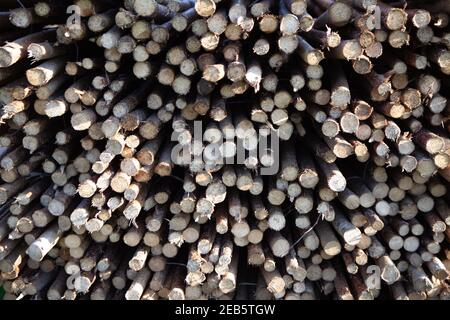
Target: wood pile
(101,99)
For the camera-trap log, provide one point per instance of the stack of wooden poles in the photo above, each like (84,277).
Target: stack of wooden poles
(225,149)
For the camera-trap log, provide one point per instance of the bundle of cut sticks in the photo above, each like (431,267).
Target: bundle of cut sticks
(225,149)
